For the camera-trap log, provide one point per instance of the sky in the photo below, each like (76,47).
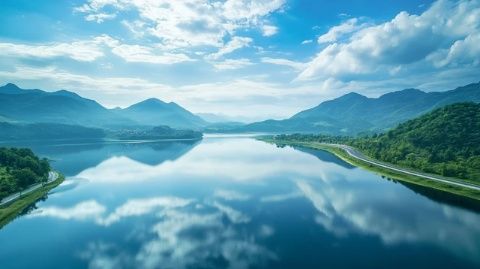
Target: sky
(244,59)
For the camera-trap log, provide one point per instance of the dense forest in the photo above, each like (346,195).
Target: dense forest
(445,141)
(20,168)
(159,132)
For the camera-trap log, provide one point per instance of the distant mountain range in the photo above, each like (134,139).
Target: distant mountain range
(64,107)
(347,115)
(48,131)
(354,113)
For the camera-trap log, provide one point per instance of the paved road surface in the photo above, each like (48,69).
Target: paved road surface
(52,176)
(358,155)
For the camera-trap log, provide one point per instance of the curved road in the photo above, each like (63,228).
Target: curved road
(358,155)
(52,176)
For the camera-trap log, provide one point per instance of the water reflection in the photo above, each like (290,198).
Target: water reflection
(75,156)
(184,233)
(394,218)
(325,157)
(236,203)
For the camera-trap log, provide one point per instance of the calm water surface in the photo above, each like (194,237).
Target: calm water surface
(233,203)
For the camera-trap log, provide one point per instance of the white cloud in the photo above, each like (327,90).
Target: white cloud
(285,62)
(91,50)
(188,23)
(407,40)
(464,51)
(95,5)
(250,10)
(308,41)
(269,30)
(99,17)
(336,32)
(85,51)
(230,64)
(142,54)
(236,43)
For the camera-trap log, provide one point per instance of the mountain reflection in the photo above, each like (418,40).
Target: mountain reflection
(343,209)
(237,203)
(75,156)
(325,157)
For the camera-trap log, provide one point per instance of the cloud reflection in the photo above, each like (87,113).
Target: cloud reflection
(184,233)
(344,209)
(230,195)
(93,210)
(82,211)
(238,163)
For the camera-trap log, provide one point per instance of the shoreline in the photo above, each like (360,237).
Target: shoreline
(384,172)
(12,210)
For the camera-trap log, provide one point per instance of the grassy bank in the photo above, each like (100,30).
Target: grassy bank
(457,190)
(12,210)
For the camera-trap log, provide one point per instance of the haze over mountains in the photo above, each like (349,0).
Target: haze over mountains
(354,113)
(155,112)
(36,106)
(350,114)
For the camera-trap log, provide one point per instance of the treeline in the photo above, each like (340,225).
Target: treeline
(445,141)
(160,132)
(20,168)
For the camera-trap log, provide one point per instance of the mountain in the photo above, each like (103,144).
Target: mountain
(47,131)
(354,113)
(64,107)
(154,112)
(445,141)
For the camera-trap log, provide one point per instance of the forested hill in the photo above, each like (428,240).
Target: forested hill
(353,114)
(20,168)
(445,141)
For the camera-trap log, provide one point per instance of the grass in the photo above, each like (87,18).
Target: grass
(12,210)
(453,189)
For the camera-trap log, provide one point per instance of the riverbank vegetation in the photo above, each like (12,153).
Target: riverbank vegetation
(20,168)
(384,172)
(24,203)
(445,141)
(155,133)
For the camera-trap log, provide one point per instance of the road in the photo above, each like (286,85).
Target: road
(358,155)
(52,176)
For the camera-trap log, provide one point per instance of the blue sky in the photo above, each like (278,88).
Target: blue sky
(242,58)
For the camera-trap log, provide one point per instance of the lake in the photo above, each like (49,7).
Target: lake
(233,202)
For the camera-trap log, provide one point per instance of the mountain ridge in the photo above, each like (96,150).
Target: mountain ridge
(354,113)
(65,107)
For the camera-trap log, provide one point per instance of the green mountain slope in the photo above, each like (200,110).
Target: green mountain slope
(445,141)
(20,168)
(354,113)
